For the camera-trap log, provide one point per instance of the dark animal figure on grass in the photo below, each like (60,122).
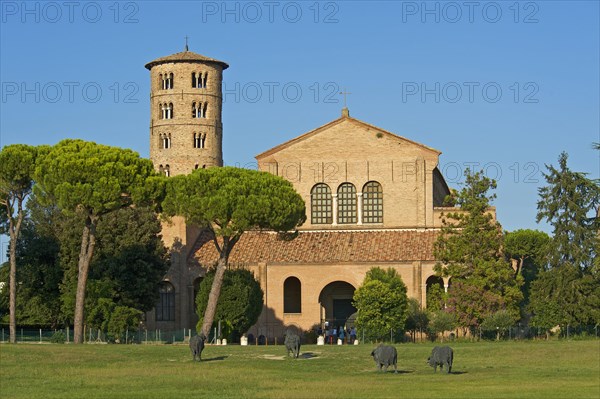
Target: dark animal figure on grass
(385,356)
(197,345)
(441,356)
(292,344)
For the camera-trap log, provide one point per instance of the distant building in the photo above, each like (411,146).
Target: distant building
(373,198)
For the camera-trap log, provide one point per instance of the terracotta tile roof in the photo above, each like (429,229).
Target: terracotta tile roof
(185,56)
(324,247)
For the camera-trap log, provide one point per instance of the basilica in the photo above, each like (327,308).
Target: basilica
(373,199)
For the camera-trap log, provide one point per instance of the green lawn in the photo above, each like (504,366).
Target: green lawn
(540,369)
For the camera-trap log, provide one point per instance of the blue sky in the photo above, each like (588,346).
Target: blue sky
(499,86)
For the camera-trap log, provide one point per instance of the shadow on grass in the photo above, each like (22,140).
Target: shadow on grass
(212,359)
(392,371)
(451,373)
(308,355)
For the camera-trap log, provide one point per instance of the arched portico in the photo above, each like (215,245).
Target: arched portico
(335,300)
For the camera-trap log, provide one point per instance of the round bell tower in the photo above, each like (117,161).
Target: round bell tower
(186,130)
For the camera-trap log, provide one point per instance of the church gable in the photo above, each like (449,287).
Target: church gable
(351,173)
(347,139)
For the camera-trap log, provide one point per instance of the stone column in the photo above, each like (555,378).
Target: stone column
(335,208)
(359,207)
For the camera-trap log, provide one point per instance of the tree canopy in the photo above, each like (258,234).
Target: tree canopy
(229,201)
(17,164)
(568,290)
(528,251)
(469,248)
(91,180)
(382,303)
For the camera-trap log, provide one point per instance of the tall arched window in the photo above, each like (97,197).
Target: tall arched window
(165,308)
(167,170)
(321,204)
(347,203)
(292,295)
(372,202)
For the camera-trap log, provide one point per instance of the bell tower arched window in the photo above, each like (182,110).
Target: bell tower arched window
(199,140)
(199,109)
(166,111)
(166,81)
(199,80)
(165,140)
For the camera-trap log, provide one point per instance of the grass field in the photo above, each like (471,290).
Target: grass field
(538,369)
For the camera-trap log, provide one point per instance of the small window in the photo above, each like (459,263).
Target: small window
(166,81)
(167,170)
(166,111)
(199,140)
(199,80)
(199,109)
(165,140)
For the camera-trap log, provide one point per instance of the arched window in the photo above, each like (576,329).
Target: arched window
(199,140)
(292,295)
(166,81)
(167,170)
(347,203)
(165,308)
(166,111)
(165,140)
(199,80)
(372,202)
(321,204)
(199,109)
(169,82)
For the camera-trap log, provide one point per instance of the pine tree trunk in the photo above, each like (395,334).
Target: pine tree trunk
(12,324)
(88,242)
(215,290)
(213,297)
(14,229)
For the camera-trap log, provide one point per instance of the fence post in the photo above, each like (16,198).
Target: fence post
(40,335)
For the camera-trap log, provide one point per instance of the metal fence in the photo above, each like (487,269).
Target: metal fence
(143,336)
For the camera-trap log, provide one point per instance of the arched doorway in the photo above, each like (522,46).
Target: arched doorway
(336,303)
